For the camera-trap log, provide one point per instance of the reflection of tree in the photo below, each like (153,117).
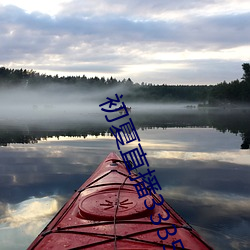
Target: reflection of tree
(232,121)
(20,135)
(16,137)
(246,141)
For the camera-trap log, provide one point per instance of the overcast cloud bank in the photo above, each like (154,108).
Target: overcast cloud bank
(184,42)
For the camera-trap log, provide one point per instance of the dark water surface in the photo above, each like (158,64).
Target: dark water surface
(197,155)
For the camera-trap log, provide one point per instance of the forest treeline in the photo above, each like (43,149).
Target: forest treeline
(236,91)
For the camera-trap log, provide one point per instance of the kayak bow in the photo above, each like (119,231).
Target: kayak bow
(106,212)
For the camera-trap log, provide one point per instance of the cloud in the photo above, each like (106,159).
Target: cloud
(125,40)
(149,9)
(122,30)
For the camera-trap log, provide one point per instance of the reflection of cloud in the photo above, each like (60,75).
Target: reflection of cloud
(222,219)
(29,213)
(25,220)
(106,136)
(61,156)
(168,146)
(228,203)
(2,209)
(230,157)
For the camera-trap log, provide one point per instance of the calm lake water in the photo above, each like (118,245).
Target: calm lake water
(197,154)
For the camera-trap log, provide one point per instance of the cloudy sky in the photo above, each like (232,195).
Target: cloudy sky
(157,41)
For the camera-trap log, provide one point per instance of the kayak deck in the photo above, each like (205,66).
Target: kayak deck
(106,212)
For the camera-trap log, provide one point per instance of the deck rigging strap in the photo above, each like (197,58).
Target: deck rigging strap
(116,210)
(118,200)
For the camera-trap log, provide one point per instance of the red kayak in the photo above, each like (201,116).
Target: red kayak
(106,213)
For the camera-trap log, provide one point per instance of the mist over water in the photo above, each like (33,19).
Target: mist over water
(55,102)
(60,102)
(59,107)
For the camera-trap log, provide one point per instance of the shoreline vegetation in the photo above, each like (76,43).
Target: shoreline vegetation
(222,95)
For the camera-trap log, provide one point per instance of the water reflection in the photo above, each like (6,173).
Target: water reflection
(20,222)
(29,210)
(203,174)
(234,121)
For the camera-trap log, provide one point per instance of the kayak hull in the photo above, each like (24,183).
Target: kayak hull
(106,212)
